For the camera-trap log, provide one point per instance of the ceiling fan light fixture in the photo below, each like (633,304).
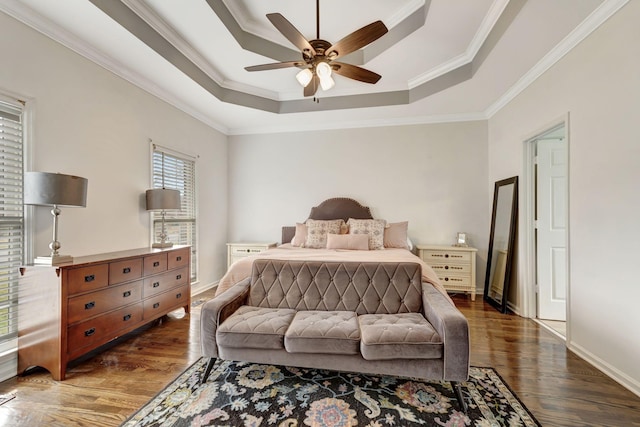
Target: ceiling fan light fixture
(323,70)
(327,83)
(304,77)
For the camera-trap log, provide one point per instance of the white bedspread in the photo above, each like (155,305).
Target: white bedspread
(241,269)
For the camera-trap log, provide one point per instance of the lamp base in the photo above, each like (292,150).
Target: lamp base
(53,260)
(162,245)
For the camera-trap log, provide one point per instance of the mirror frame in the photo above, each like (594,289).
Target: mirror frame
(513,217)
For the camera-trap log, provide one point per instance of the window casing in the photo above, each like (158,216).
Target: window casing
(11,217)
(177,171)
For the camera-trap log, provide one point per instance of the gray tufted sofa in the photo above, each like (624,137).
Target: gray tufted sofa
(363,317)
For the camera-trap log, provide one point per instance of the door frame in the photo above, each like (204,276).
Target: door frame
(527,217)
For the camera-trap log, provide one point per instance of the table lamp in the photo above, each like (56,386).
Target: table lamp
(163,199)
(54,189)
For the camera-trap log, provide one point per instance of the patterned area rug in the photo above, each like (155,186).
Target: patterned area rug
(249,394)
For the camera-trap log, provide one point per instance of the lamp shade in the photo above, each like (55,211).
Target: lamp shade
(49,189)
(163,199)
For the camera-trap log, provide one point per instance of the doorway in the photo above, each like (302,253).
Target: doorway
(549,189)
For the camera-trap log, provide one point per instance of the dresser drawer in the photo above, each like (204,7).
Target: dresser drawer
(155,264)
(163,282)
(178,258)
(123,271)
(89,278)
(450,256)
(160,304)
(101,329)
(98,302)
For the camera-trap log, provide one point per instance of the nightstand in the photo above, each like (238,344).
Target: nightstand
(235,251)
(454,265)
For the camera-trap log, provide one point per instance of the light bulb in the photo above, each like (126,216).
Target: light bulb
(323,70)
(304,77)
(326,83)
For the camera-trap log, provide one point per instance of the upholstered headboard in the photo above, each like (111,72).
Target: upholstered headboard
(335,208)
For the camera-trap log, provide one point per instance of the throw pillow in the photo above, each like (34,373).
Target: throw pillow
(355,242)
(373,227)
(317,231)
(395,235)
(300,236)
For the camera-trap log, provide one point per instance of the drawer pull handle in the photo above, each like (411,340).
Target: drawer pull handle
(127,317)
(446,279)
(89,305)
(89,278)
(178,258)
(446,255)
(178,296)
(126,270)
(89,332)
(156,284)
(156,305)
(446,267)
(179,276)
(126,294)
(156,263)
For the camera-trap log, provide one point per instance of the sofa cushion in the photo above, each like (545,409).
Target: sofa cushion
(334,332)
(255,327)
(398,336)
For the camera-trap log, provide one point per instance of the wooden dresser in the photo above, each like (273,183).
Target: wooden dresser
(68,310)
(454,265)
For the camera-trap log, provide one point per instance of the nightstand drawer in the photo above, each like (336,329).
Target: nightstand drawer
(236,251)
(449,280)
(449,256)
(442,268)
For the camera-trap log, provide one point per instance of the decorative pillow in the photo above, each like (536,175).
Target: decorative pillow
(317,231)
(395,235)
(355,242)
(373,227)
(300,236)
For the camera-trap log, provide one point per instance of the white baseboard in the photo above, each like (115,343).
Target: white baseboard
(612,372)
(199,288)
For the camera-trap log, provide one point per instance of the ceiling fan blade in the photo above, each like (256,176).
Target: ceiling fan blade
(357,39)
(312,87)
(274,66)
(355,72)
(290,32)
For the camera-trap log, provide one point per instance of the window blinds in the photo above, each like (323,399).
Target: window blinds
(11,217)
(177,172)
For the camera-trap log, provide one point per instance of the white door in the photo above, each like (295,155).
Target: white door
(552,217)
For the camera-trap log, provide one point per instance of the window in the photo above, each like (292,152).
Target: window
(177,171)
(11,217)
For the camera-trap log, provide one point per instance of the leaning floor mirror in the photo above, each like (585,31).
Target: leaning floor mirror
(501,243)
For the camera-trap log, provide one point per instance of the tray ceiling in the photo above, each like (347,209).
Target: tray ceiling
(442,60)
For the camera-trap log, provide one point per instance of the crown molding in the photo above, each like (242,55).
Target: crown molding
(29,17)
(356,124)
(607,9)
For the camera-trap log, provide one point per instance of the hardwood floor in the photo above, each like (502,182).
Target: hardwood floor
(559,388)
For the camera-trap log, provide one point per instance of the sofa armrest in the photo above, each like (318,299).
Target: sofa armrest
(216,310)
(453,328)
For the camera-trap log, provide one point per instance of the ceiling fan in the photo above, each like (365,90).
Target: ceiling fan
(319,56)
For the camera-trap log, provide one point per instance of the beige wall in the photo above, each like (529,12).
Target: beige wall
(91,123)
(434,176)
(598,85)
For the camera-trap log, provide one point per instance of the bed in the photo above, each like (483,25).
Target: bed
(339,246)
